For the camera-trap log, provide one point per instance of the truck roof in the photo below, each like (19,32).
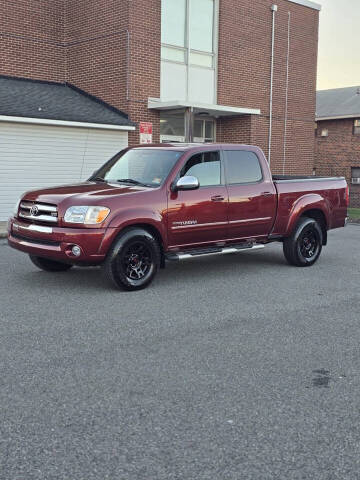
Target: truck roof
(192,146)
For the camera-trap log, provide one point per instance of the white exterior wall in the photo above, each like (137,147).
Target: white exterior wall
(39,156)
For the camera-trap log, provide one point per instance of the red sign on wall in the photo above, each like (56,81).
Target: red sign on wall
(145,132)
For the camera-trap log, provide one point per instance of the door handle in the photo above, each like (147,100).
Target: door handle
(267,194)
(217,198)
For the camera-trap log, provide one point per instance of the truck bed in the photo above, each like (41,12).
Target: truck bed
(292,189)
(297,178)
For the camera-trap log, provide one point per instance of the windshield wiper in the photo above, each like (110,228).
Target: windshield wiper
(98,179)
(133,182)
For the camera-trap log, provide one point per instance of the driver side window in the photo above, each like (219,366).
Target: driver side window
(205,167)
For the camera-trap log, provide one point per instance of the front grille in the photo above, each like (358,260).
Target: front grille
(38,212)
(37,241)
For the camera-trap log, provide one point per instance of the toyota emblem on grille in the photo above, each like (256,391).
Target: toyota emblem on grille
(34,210)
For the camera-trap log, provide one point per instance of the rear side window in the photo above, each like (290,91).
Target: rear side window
(242,167)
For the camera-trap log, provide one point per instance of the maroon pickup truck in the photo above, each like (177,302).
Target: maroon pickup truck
(163,202)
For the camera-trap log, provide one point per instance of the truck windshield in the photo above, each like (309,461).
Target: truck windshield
(139,166)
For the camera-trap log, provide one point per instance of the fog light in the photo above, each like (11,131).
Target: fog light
(76,251)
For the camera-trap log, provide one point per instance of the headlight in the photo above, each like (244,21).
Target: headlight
(87,215)
(16,208)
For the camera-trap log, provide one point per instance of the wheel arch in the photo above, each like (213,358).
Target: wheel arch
(312,206)
(320,217)
(150,228)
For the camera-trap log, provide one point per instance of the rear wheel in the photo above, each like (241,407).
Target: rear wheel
(133,260)
(49,265)
(303,247)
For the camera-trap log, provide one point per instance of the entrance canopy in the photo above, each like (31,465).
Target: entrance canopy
(188,121)
(212,110)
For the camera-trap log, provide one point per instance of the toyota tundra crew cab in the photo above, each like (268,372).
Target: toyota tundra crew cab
(153,203)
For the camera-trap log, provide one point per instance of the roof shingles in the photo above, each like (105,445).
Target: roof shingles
(337,103)
(55,101)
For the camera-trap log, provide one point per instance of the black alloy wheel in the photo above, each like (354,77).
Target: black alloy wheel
(308,243)
(137,259)
(303,247)
(133,260)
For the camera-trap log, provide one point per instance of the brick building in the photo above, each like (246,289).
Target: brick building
(337,139)
(227,70)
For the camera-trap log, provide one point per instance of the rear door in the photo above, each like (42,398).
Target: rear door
(199,216)
(252,195)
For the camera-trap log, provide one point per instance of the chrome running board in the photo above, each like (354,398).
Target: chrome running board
(202,252)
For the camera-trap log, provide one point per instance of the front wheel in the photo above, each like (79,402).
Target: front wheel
(49,265)
(133,260)
(304,246)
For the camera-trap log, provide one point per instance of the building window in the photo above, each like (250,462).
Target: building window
(357,127)
(355,175)
(172,125)
(324,132)
(172,128)
(204,130)
(187,32)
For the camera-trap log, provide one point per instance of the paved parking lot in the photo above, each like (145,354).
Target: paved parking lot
(236,367)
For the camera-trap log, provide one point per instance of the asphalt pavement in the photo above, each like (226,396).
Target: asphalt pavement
(234,367)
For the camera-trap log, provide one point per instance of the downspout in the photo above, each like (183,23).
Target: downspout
(187,49)
(127,65)
(274,10)
(287,92)
(189,113)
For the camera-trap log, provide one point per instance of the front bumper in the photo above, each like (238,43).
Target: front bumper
(56,242)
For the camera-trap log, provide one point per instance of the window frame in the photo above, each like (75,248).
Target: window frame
(181,138)
(222,171)
(356,128)
(203,129)
(324,131)
(261,180)
(352,175)
(187,48)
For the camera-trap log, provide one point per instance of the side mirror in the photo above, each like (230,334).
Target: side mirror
(187,183)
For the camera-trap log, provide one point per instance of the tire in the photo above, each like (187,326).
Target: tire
(133,260)
(303,247)
(49,265)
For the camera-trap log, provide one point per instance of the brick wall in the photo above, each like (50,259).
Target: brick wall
(244,75)
(31,39)
(111,48)
(113,52)
(337,153)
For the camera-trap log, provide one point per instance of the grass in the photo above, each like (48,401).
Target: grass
(354,213)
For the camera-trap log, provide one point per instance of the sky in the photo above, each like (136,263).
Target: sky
(339,44)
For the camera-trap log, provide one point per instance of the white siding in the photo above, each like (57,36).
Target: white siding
(37,156)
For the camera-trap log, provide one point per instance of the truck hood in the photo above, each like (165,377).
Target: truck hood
(86,193)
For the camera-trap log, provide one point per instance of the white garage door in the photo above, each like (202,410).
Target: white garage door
(37,156)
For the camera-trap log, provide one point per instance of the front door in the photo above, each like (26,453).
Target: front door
(199,217)
(252,196)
